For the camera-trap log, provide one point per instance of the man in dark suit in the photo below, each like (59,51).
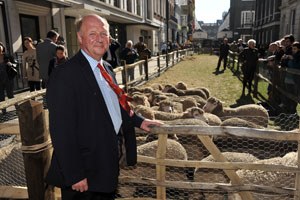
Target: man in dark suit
(224,50)
(87,120)
(110,56)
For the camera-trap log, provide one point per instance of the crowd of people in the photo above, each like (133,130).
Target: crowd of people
(284,53)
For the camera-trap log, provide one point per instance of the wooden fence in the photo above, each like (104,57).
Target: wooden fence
(269,72)
(32,112)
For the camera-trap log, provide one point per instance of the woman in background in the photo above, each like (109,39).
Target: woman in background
(30,66)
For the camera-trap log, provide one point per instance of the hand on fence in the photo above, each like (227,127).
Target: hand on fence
(147,124)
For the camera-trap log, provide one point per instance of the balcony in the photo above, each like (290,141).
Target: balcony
(174,19)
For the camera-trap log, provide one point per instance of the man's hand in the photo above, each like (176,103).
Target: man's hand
(147,124)
(81,186)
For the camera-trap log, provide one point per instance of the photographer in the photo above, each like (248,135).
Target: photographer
(7,74)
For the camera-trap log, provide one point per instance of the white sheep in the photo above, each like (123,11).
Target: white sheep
(174,150)
(183,86)
(234,121)
(172,89)
(217,175)
(271,178)
(251,112)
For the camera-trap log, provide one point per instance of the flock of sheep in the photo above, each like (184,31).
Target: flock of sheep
(180,105)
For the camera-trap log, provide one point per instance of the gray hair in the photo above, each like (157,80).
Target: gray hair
(251,41)
(80,21)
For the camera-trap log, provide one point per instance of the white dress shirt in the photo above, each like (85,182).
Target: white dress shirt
(110,97)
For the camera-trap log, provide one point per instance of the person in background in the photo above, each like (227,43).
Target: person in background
(292,80)
(241,45)
(129,54)
(111,54)
(89,117)
(6,75)
(45,51)
(140,47)
(59,59)
(30,69)
(224,50)
(249,59)
(288,52)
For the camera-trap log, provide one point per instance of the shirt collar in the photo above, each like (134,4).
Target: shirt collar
(93,63)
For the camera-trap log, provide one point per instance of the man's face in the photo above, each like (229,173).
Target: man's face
(93,37)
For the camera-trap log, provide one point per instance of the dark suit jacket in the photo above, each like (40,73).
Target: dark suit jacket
(85,143)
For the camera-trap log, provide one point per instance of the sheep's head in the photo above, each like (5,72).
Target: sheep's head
(197,113)
(131,90)
(168,88)
(147,90)
(156,86)
(140,100)
(181,85)
(158,98)
(166,106)
(213,105)
(144,111)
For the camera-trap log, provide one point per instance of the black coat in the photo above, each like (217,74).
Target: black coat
(83,136)
(249,59)
(113,47)
(224,50)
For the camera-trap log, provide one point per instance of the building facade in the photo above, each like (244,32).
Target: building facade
(267,21)
(290,18)
(242,16)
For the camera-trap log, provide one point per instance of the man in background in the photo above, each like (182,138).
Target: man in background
(45,51)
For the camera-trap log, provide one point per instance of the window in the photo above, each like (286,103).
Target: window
(117,3)
(129,6)
(247,19)
(138,7)
(292,21)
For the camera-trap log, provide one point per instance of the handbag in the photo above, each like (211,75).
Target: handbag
(11,70)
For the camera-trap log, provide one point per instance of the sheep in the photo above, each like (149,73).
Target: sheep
(159,115)
(218,175)
(183,86)
(174,150)
(170,106)
(156,86)
(155,93)
(212,120)
(251,112)
(271,178)
(171,89)
(139,99)
(234,121)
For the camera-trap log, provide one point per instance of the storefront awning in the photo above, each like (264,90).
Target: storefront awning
(83,9)
(60,3)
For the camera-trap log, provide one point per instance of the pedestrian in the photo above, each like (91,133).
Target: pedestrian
(30,67)
(7,74)
(59,59)
(130,55)
(241,45)
(45,51)
(140,47)
(224,50)
(89,115)
(249,59)
(288,41)
(111,54)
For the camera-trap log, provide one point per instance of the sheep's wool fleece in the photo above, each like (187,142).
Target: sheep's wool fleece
(174,150)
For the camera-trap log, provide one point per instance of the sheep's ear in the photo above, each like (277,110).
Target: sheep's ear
(222,102)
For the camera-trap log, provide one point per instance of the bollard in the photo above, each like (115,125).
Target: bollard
(158,64)
(36,149)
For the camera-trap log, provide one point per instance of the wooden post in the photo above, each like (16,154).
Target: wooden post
(123,63)
(158,64)
(36,147)
(173,58)
(255,85)
(297,181)
(161,169)
(146,69)
(177,56)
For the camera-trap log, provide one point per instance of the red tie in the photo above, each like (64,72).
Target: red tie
(122,96)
